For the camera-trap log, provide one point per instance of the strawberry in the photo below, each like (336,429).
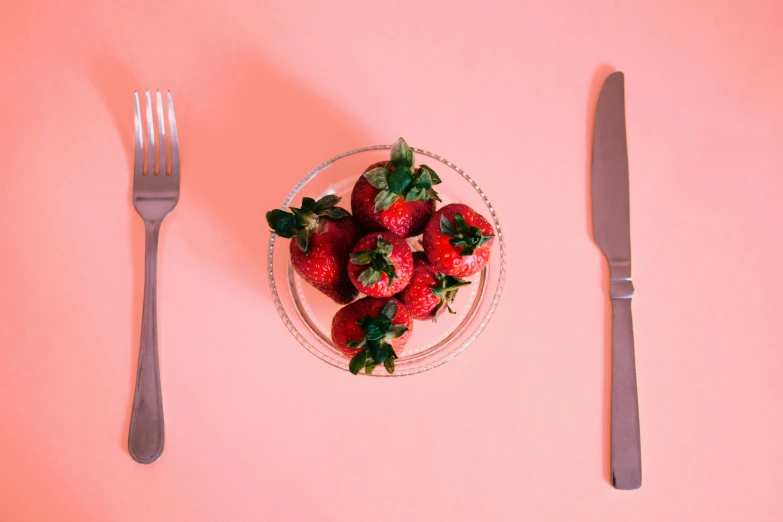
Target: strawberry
(395,196)
(325,235)
(381,264)
(429,292)
(371,332)
(457,240)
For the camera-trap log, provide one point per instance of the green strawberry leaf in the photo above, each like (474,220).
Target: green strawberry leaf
(434,195)
(396,330)
(328,201)
(363,257)
(303,240)
(417,194)
(446,284)
(334,213)
(400,179)
(282,223)
(460,223)
(384,247)
(389,310)
(373,350)
(303,219)
(433,175)
(384,323)
(378,177)
(370,277)
(384,200)
(382,353)
(373,331)
(446,227)
(424,179)
(377,328)
(356,344)
(308,205)
(389,364)
(369,367)
(364,321)
(357,362)
(401,154)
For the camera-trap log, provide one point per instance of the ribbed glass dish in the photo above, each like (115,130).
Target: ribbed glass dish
(308,314)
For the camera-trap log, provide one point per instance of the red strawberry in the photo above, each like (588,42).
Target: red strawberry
(395,196)
(372,332)
(381,264)
(430,292)
(325,235)
(457,240)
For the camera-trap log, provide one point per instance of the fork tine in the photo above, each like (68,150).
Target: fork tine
(150,138)
(138,152)
(161,136)
(174,139)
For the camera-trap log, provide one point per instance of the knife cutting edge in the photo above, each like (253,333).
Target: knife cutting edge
(612,232)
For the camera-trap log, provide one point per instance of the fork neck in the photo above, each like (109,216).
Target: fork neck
(152,226)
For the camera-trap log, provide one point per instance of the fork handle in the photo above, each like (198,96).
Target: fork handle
(145,439)
(626,445)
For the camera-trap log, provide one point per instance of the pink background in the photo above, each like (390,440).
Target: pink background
(513,429)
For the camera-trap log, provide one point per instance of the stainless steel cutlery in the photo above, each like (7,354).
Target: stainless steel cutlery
(612,231)
(155,194)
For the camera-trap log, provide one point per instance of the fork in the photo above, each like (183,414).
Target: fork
(155,194)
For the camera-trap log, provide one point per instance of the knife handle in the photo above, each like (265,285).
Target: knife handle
(626,444)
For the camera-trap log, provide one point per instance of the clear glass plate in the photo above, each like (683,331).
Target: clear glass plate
(307,313)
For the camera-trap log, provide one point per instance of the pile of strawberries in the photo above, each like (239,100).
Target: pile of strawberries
(343,255)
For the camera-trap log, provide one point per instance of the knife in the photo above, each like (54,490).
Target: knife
(612,232)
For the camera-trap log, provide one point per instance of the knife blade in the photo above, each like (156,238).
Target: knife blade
(612,233)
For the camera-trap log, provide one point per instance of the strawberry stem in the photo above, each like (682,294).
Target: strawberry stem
(462,235)
(378,332)
(446,290)
(303,221)
(379,260)
(398,179)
